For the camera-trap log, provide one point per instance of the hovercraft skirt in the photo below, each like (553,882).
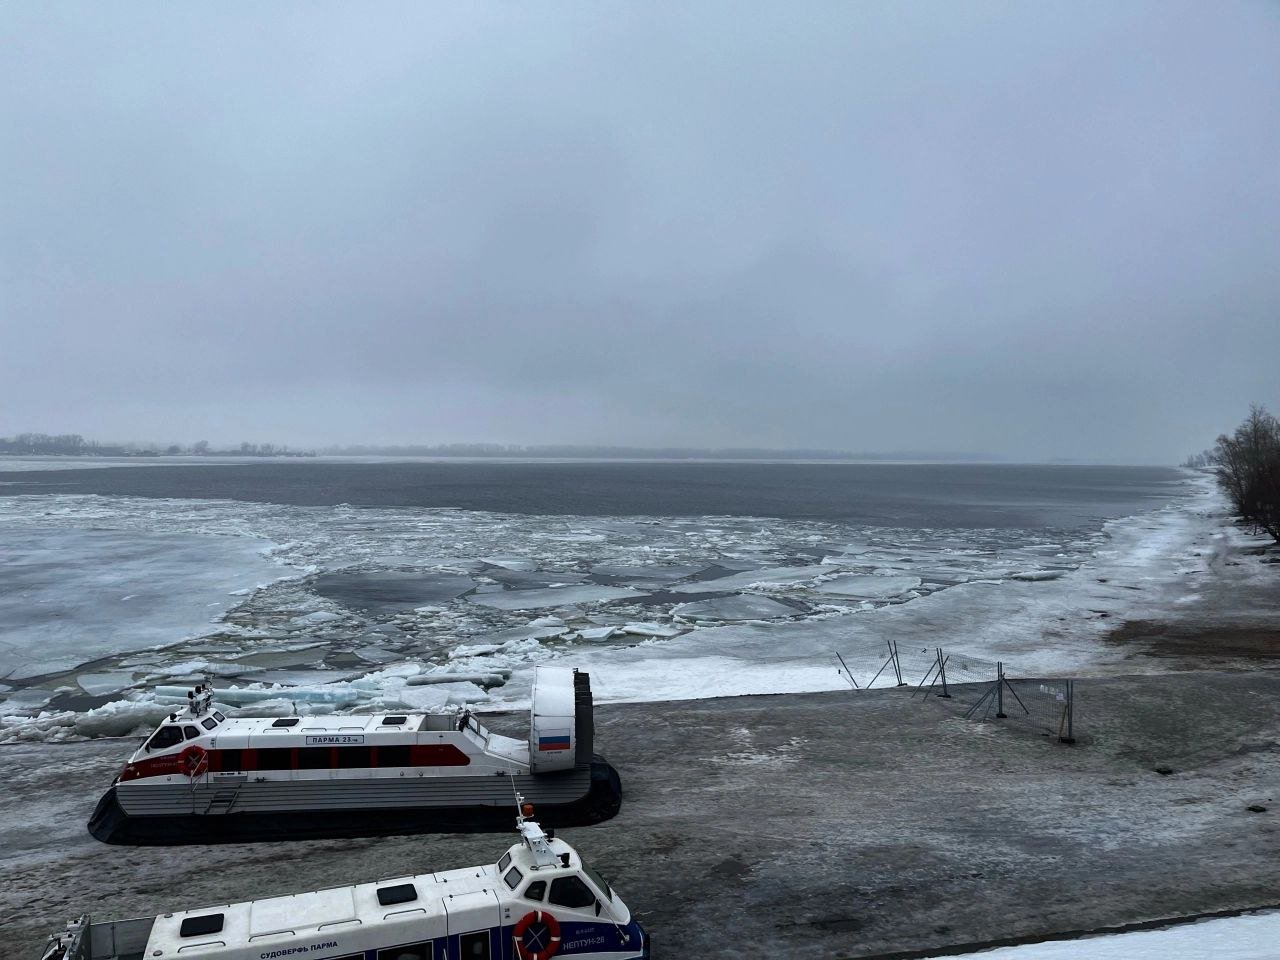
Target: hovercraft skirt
(598,798)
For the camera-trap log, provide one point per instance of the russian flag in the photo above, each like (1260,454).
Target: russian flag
(553,743)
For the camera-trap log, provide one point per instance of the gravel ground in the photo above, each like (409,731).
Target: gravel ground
(822,825)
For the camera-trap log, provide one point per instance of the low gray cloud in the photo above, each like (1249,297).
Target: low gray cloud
(1032,229)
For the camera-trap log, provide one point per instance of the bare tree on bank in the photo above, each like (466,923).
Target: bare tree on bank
(1247,467)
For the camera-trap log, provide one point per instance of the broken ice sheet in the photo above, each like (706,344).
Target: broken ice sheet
(552,597)
(859,586)
(740,607)
(388,591)
(530,579)
(303,678)
(659,630)
(43,668)
(647,574)
(768,575)
(101,684)
(175,581)
(372,654)
(24,701)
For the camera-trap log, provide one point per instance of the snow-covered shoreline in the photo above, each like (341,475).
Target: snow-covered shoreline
(1249,936)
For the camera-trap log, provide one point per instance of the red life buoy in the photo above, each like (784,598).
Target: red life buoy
(537,936)
(194,760)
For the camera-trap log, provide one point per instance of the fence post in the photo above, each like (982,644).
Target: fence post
(848,674)
(897,664)
(1071,712)
(1000,714)
(942,670)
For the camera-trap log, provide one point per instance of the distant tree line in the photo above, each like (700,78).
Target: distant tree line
(1247,467)
(571,451)
(74,445)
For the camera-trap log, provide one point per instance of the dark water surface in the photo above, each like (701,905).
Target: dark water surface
(905,495)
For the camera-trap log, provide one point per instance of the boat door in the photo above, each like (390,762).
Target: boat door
(475,926)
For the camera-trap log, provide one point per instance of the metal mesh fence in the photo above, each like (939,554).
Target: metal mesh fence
(981,689)
(1047,706)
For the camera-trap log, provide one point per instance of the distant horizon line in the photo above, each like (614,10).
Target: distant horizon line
(75,445)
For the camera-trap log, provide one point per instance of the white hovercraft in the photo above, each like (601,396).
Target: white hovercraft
(203,777)
(540,900)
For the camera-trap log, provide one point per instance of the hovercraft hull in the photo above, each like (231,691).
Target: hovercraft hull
(227,812)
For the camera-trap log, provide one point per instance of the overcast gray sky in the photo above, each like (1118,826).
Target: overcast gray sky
(1033,229)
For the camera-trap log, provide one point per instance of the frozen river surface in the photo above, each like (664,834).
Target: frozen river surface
(75,595)
(111,601)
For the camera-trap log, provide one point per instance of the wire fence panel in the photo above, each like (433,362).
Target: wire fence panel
(980,687)
(967,677)
(919,664)
(1046,706)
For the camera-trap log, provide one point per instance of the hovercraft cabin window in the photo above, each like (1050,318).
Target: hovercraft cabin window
(314,758)
(571,892)
(208,723)
(394,756)
(536,891)
(275,758)
(165,737)
(311,758)
(410,951)
(352,758)
(223,761)
(474,945)
(513,877)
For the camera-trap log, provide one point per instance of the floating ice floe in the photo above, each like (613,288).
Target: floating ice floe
(59,623)
(303,678)
(313,619)
(648,573)
(337,694)
(660,630)
(427,699)
(490,678)
(740,607)
(552,597)
(754,578)
(101,684)
(1037,575)
(25,701)
(436,697)
(859,586)
(43,668)
(375,654)
(511,563)
(119,718)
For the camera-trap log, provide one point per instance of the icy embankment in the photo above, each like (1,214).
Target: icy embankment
(429,609)
(1249,937)
(1141,566)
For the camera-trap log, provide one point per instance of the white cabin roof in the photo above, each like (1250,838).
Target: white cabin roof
(326,724)
(301,917)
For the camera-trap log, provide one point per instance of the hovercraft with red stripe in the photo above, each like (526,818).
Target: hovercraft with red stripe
(204,777)
(539,901)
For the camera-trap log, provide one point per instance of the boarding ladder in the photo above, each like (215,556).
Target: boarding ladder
(222,794)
